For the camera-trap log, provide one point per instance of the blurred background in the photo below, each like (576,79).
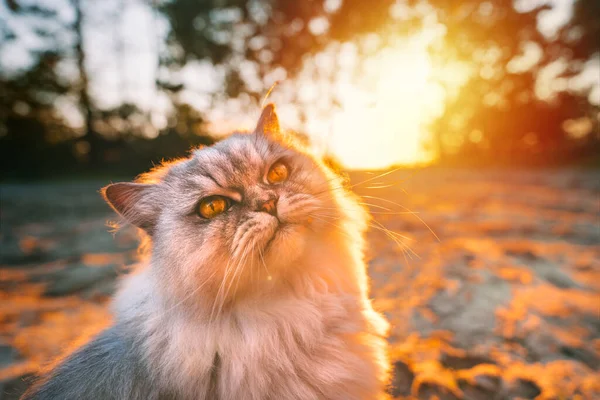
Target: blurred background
(485,247)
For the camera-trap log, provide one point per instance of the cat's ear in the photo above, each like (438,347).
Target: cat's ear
(268,123)
(136,202)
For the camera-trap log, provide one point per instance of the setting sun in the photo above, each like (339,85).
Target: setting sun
(383,103)
(383,118)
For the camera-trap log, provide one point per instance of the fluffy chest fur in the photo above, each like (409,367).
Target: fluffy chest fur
(316,346)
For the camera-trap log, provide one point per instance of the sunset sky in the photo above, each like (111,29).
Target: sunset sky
(390,104)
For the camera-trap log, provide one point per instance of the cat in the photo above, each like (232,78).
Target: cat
(255,288)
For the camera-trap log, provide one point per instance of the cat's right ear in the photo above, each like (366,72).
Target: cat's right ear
(136,202)
(268,123)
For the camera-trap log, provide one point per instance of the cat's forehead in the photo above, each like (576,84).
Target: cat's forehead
(232,160)
(237,151)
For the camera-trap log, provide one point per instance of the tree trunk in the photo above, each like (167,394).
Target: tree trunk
(85,102)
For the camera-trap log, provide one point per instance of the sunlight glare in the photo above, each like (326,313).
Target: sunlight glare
(383,118)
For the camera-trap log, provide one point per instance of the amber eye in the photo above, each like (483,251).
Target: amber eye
(278,173)
(212,206)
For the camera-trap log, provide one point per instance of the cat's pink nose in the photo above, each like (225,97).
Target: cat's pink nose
(269,206)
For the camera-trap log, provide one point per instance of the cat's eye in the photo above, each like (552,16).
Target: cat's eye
(210,207)
(278,173)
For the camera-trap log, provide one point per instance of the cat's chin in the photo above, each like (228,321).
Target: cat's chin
(286,245)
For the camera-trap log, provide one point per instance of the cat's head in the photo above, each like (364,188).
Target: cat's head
(241,215)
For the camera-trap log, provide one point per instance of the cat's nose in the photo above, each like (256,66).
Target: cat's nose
(269,206)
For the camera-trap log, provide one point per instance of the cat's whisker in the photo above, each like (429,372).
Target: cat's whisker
(342,230)
(328,190)
(393,212)
(361,182)
(378,185)
(252,259)
(381,186)
(237,274)
(318,196)
(252,283)
(388,211)
(237,271)
(221,287)
(329,216)
(405,208)
(370,212)
(241,273)
(387,184)
(396,237)
(401,245)
(376,177)
(269,277)
(385,212)
(374,205)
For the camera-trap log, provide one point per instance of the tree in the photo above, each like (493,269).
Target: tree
(29,123)
(580,38)
(579,42)
(269,34)
(85,102)
(490,111)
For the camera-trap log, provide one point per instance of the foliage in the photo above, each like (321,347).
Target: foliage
(498,106)
(581,36)
(270,34)
(496,115)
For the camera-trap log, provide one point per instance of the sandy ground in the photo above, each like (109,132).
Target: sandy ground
(491,279)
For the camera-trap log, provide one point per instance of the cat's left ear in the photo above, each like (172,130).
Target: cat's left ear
(268,123)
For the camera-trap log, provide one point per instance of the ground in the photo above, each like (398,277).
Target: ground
(490,279)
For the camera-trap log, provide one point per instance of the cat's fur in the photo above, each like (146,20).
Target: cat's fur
(245,305)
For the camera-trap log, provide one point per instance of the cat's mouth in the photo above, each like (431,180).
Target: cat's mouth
(286,237)
(271,235)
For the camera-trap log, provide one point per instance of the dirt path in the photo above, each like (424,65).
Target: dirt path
(506,304)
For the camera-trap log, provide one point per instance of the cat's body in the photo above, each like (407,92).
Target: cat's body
(264,298)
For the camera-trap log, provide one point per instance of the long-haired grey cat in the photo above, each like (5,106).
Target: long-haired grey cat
(256,285)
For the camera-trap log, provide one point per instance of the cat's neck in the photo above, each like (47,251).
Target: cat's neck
(328,268)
